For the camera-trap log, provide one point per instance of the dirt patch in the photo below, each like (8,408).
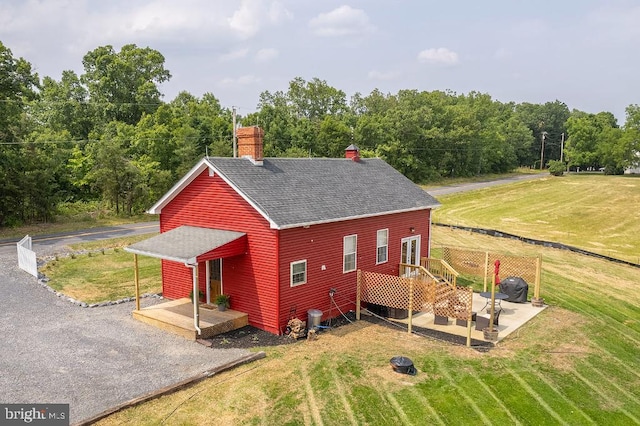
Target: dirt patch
(252,337)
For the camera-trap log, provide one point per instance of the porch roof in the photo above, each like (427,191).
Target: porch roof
(186,243)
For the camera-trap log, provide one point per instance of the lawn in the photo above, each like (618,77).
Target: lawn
(102,271)
(576,363)
(595,212)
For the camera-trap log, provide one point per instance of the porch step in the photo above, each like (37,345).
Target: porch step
(176,317)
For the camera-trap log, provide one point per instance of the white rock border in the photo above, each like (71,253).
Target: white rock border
(43,280)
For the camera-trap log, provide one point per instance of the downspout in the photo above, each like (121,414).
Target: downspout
(196,297)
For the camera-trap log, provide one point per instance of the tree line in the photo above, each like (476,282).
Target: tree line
(108,136)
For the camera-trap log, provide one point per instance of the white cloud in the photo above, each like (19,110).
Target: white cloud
(343,21)
(253,15)
(441,55)
(234,55)
(245,80)
(266,55)
(379,75)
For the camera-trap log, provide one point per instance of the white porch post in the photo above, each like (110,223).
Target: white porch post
(196,299)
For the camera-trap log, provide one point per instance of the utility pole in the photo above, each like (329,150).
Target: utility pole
(235,147)
(562,148)
(544,136)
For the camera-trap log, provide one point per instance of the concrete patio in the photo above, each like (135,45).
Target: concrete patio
(512,317)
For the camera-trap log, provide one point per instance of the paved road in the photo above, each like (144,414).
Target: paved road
(450,189)
(51,242)
(92,358)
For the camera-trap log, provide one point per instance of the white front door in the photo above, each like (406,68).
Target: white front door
(410,253)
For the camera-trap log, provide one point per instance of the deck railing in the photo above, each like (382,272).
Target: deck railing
(441,270)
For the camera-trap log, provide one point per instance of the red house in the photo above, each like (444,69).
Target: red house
(279,234)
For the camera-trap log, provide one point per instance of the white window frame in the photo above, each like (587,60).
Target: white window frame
(291,273)
(385,246)
(353,253)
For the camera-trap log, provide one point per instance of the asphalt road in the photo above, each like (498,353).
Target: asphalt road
(49,243)
(450,189)
(52,351)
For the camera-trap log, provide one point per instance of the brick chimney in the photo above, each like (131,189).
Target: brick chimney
(250,143)
(352,152)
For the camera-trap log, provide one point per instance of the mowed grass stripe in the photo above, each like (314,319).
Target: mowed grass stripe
(424,402)
(575,306)
(610,401)
(554,389)
(342,392)
(593,370)
(536,396)
(488,391)
(442,369)
(394,403)
(310,396)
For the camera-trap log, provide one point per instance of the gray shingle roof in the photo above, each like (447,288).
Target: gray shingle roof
(184,244)
(303,191)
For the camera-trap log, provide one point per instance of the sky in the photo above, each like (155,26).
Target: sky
(581,52)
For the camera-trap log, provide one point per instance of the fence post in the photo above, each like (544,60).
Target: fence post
(411,280)
(358,280)
(538,273)
(486,269)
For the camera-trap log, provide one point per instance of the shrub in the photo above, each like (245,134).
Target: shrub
(556,168)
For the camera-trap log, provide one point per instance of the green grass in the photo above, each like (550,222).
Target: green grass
(595,212)
(105,272)
(576,363)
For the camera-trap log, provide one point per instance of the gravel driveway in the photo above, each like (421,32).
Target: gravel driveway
(91,358)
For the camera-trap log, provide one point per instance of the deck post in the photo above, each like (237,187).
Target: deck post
(410,328)
(536,291)
(486,269)
(136,279)
(359,278)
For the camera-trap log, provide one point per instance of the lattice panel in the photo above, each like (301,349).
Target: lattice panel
(473,262)
(428,296)
(514,266)
(465,261)
(386,290)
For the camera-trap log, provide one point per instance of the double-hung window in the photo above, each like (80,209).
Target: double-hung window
(349,251)
(382,246)
(298,272)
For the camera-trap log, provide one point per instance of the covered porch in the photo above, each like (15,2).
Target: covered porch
(176,316)
(190,246)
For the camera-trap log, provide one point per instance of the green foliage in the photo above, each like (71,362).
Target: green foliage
(107,136)
(556,167)
(222,299)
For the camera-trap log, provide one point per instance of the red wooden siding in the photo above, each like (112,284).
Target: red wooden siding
(322,245)
(250,279)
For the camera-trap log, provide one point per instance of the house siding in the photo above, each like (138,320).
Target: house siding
(322,245)
(251,279)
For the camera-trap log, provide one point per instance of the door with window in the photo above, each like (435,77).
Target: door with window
(215,279)
(410,253)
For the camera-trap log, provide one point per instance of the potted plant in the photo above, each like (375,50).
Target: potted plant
(222,300)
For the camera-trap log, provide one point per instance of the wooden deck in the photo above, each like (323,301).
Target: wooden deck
(176,316)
